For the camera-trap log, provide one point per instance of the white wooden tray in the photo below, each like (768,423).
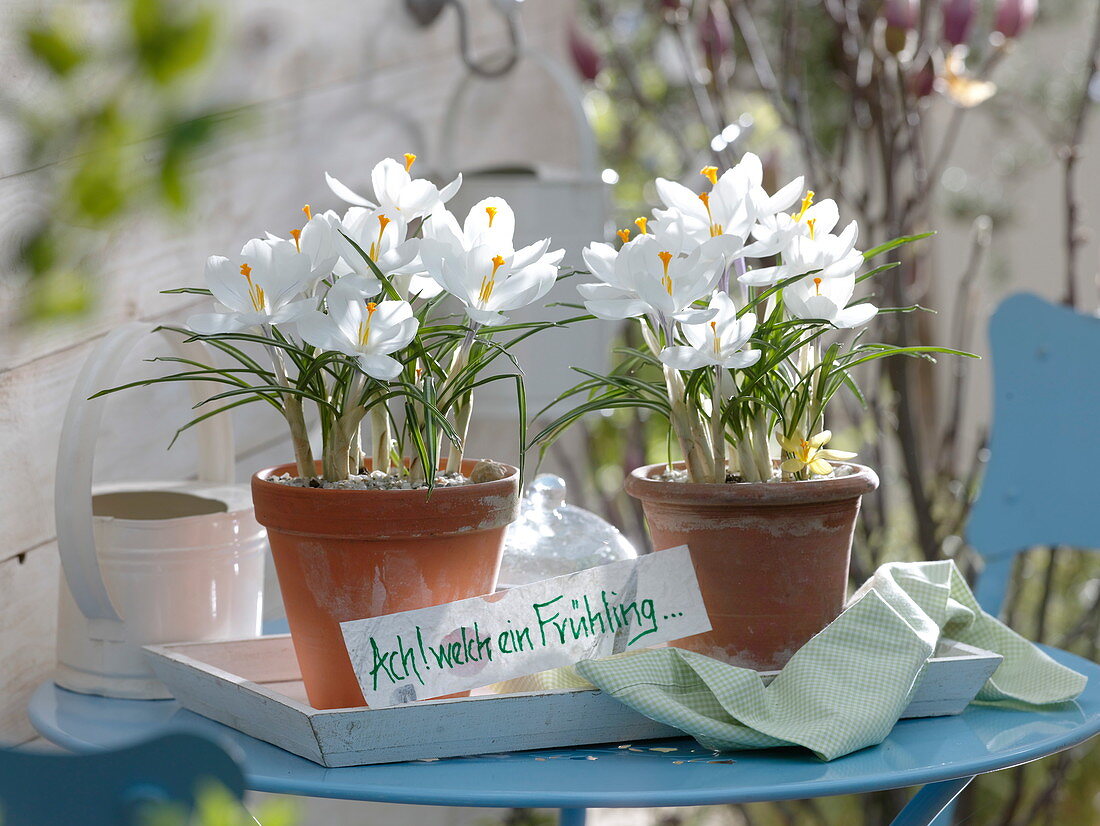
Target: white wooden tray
(255,686)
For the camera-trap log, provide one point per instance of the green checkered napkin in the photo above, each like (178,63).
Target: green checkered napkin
(845,689)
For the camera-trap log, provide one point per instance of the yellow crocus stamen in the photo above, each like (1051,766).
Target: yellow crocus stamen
(810,223)
(804,449)
(624,235)
(817,285)
(715,229)
(714,332)
(410,159)
(255,292)
(640,223)
(296,234)
(666,279)
(491,211)
(364,325)
(807,202)
(376,245)
(308,212)
(490,281)
(710,173)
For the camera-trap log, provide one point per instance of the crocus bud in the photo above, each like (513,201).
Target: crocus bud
(901,18)
(1014,17)
(958,17)
(715,37)
(585,57)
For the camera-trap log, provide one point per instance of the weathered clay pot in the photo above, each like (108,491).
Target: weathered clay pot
(350,554)
(771,558)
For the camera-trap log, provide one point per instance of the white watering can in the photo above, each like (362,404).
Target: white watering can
(148,562)
(571,208)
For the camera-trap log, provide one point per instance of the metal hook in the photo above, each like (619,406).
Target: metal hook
(426,11)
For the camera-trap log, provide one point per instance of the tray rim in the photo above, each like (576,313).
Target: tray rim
(173,652)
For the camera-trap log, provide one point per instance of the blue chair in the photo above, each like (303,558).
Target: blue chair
(1040,487)
(110,788)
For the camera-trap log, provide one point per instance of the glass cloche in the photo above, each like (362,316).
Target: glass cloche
(551,538)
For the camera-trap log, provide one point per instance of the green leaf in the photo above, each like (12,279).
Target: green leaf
(55,47)
(211,414)
(877,270)
(894,244)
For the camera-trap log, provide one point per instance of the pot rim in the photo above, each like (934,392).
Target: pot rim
(502,485)
(641,485)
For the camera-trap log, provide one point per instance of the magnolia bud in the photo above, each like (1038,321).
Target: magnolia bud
(585,57)
(1014,17)
(901,14)
(715,37)
(958,17)
(901,18)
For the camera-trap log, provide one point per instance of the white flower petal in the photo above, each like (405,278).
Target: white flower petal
(380,367)
(684,358)
(855,316)
(209,324)
(450,189)
(345,194)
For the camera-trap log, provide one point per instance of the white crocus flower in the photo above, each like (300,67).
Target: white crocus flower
(384,240)
(615,298)
(718,342)
(490,221)
(382,237)
(806,243)
(259,289)
(477,264)
(648,280)
(827,299)
(736,202)
(318,241)
(396,191)
(366,331)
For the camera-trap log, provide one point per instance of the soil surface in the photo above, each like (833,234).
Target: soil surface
(375,480)
(679,475)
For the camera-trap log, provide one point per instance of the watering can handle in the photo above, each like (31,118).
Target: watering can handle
(566,84)
(75,460)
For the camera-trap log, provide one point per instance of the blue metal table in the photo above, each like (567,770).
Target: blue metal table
(944,752)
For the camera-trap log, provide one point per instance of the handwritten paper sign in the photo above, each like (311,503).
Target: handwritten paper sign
(431,652)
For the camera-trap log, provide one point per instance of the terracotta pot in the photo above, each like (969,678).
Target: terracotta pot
(350,554)
(771,558)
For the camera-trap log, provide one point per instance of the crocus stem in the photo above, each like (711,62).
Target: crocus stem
(463,408)
(700,465)
(717,428)
(463,414)
(338,448)
(352,397)
(295,416)
(355,452)
(697,459)
(761,448)
(749,469)
(380,437)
